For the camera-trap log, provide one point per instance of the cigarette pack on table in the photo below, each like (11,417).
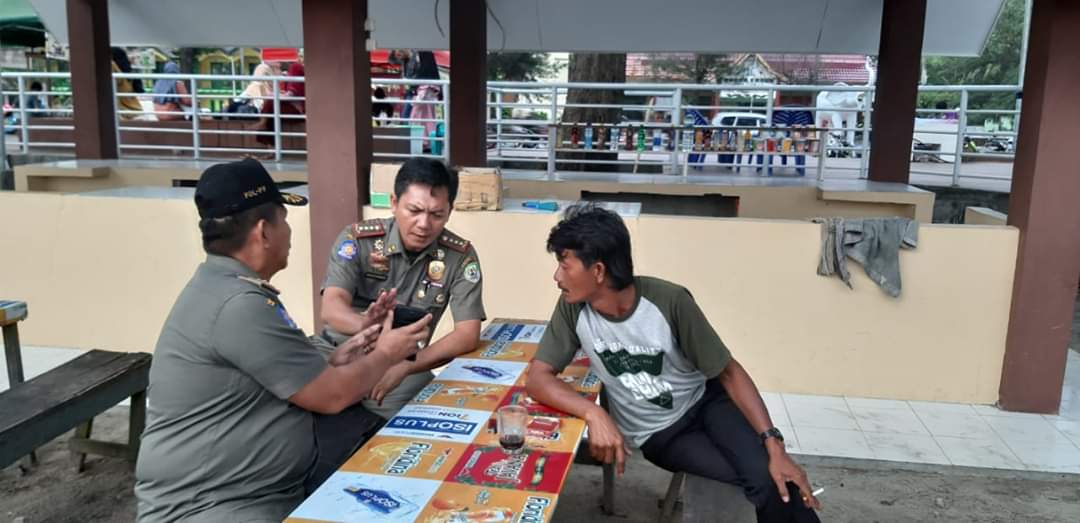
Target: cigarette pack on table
(543,427)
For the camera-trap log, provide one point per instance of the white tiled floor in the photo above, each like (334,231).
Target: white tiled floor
(908,431)
(939,433)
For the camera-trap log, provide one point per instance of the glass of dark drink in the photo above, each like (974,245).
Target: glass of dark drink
(512,420)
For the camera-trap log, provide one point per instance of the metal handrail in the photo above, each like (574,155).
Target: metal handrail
(548,101)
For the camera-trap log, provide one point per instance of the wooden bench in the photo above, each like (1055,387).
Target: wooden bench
(11,313)
(37,411)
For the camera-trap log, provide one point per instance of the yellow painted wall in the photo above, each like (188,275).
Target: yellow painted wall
(984,216)
(103,272)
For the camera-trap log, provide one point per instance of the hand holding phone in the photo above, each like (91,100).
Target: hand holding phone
(404,316)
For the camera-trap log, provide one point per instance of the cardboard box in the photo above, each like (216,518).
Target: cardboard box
(382,183)
(479,189)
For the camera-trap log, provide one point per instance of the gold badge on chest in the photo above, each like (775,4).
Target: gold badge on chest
(436,269)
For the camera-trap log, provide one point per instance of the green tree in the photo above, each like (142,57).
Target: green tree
(690,68)
(592,68)
(999,64)
(519,67)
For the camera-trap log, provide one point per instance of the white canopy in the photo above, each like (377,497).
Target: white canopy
(953,27)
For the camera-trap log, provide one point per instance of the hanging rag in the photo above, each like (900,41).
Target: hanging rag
(874,243)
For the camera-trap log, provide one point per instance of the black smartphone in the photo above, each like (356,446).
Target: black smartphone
(405,315)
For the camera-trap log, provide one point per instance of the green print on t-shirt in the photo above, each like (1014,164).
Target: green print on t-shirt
(636,371)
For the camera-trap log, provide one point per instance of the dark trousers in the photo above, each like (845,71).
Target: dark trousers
(714,440)
(338,437)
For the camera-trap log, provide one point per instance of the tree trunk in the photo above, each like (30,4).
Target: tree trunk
(592,68)
(187,60)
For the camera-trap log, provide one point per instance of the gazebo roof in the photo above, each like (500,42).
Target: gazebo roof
(953,27)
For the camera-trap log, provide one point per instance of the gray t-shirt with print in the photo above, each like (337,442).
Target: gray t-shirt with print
(653,363)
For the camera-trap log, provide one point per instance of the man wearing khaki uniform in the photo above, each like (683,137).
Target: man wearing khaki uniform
(430,268)
(244,415)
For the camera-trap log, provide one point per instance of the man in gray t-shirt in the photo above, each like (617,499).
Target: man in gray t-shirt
(675,391)
(235,386)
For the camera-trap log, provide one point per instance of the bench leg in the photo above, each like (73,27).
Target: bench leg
(82,432)
(13,359)
(667,508)
(607,504)
(136,423)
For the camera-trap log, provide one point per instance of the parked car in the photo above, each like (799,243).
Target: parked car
(740,120)
(521,136)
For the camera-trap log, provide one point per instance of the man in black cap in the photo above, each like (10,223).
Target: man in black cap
(243,411)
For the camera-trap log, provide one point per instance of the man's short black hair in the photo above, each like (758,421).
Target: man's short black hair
(225,236)
(595,234)
(426,171)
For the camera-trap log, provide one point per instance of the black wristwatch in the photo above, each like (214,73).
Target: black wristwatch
(771,433)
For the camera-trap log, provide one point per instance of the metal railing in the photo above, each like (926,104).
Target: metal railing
(530,127)
(536,114)
(200,121)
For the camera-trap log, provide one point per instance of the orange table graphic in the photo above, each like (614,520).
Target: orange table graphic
(406,457)
(462,394)
(454,503)
(438,460)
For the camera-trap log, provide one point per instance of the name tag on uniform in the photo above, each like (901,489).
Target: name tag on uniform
(376,275)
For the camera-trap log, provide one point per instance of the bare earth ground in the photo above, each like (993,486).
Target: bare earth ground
(856,490)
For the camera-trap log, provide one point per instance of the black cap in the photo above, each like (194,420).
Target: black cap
(229,188)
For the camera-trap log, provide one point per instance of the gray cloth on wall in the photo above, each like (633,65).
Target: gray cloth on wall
(874,243)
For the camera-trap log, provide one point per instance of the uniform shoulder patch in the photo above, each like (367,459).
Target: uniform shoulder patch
(368,229)
(471,271)
(347,250)
(453,242)
(282,313)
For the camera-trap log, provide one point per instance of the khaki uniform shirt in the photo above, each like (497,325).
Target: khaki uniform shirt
(222,441)
(368,257)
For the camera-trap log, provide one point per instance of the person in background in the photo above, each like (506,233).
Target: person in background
(126,89)
(422,66)
(36,102)
(171,100)
(259,92)
(403,57)
(381,111)
(286,107)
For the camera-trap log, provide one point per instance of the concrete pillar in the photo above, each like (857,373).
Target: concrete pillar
(338,90)
(1045,206)
(468,83)
(91,79)
(896,92)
